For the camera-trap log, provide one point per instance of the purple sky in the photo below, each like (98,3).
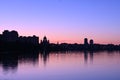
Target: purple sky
(63,20)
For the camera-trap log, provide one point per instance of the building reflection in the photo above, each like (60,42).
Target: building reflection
(44,56)
(9,60)
(87,56)
(91,56)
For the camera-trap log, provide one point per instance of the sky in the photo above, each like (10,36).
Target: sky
(63,20)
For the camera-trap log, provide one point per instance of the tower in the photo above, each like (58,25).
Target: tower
(85,41)
(91,42)
(45,43)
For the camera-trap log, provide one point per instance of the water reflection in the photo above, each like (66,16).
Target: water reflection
(60,65)
(44,56)
(9,61)
(88,55)
(91,56)
(85,56)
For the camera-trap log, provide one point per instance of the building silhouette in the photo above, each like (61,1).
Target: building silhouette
(10,36)
(0,37)
(29,40)
(10,40)
(44,41)
(44,44)
(13,36)
(91,42)
(85,41)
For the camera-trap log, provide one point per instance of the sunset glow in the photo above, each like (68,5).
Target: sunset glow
(62,21)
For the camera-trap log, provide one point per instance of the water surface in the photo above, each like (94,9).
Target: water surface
(60,66)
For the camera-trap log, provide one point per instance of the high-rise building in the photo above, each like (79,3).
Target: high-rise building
(10,36)
(13,36)
(85,41)
(91,42)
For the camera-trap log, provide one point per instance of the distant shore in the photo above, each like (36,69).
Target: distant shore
(10,40)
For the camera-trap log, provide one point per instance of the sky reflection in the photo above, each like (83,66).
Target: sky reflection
(62,65)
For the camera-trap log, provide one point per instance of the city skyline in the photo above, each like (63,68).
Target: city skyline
(13,36)
(62,21)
